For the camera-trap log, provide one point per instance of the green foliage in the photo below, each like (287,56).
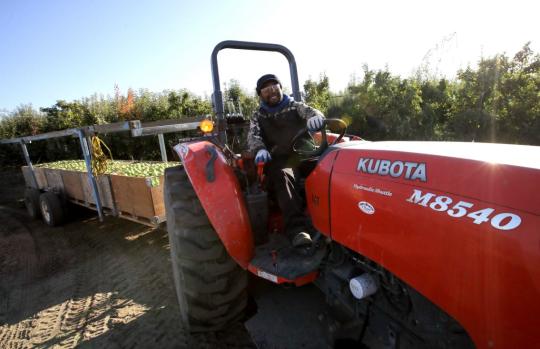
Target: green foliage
(517,103)
(382,106)
(436,109)
(496,101)
(142,105)
(238,100)
(63,115)
(183,103)
(317,94)
(23,121)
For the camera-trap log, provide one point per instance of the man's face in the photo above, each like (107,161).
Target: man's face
(271,93)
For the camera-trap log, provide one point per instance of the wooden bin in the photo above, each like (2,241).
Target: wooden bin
(104,189)
(132,198)
(73,184)
(40,177)
(137,199)
(54,179)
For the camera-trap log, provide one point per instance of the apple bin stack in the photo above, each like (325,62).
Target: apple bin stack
(129,189)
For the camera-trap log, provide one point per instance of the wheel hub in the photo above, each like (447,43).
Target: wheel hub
(45,211)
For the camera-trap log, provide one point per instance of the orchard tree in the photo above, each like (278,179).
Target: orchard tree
(317,93)
(237,99)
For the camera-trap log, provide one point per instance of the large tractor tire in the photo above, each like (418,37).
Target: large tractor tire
(52,209)
(210,286)
(31,201)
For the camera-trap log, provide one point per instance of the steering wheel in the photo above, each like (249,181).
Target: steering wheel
(331,123)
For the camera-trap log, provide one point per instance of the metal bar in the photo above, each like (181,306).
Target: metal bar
(162,147)
(88,131)
(133,125)
(48,135)
(111,128)
(91,178)
(146,131)
(183,120)
(29,163)
(11,140)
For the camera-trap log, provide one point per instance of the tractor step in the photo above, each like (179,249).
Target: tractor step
(279,262)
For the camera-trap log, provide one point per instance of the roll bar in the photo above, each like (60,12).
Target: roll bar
(217,96)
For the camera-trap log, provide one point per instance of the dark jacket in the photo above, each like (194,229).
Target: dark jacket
(275,131)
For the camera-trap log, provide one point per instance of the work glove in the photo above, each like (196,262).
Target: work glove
(315,123)
(262,156)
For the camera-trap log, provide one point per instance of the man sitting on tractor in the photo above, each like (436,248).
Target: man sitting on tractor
(273,127)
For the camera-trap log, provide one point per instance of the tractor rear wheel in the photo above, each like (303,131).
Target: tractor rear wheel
(210,286)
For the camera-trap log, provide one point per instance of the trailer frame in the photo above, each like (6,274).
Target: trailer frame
(136,129)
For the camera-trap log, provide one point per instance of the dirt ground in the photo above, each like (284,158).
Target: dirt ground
(109,285)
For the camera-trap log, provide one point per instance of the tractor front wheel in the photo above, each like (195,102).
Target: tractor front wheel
(210,286)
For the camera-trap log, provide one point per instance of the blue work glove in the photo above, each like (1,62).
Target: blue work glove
(315,123)
(262,156)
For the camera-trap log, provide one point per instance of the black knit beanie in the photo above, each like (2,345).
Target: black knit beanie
(265,78)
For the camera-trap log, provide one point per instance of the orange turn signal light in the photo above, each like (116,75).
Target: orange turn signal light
(206,126)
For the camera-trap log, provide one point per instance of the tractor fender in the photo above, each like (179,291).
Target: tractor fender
(219,192)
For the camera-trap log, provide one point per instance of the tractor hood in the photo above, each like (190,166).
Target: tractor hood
(504,154)
(502,174)
(456,221)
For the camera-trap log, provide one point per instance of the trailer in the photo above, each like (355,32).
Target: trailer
(132,198)
(139,199)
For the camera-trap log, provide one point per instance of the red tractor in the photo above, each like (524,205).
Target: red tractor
(424,244)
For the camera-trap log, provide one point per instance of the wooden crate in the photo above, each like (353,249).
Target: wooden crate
(54,179)
(132,198)
(73,187)
(104,189)
(40,177)
(27,176)
(136,198)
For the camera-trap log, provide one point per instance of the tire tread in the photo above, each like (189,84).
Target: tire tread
(210,286)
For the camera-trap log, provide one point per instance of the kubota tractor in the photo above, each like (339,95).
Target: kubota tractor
(424,244)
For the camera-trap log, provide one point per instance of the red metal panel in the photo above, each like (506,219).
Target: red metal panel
(506,185)
(317,193)
(222,199)
(485,277)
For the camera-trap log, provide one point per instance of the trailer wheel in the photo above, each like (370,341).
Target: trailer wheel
(31,201)
(210,286)
(51,209)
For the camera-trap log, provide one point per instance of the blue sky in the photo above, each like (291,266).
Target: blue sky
(53,50)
